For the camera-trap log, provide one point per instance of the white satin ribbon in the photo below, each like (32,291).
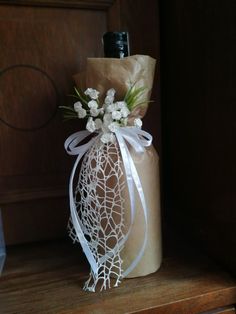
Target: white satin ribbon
(72,149)
(138,139)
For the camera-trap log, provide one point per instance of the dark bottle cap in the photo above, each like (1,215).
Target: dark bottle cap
(116,44)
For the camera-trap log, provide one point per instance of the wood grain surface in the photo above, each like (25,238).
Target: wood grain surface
(48,278)
(79,4)
(41,48)
(222,310)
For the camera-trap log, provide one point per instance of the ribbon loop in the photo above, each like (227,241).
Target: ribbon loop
(72,149)
(139,140)
(136,137)
(73,140)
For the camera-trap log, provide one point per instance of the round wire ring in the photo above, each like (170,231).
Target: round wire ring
(2,72)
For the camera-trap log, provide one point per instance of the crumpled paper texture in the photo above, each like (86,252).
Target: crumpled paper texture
(103,74)
(120,74)
(147,165)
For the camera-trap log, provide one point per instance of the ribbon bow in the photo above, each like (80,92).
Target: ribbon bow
(139,140)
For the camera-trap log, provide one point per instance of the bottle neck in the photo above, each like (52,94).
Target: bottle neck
(116,44)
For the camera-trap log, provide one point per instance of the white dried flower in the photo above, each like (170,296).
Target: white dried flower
(109,100)
(111,92)
(92,93)
(121,104)
(108,137)
(94,112)
(92,104)
(125,112)
(111,108)
(113,127)
(82,113)
(110,96)
(77,106)
(98,123)
(138,122)
(101,110)
(90,126)
(124,121)
(107,118)
(105,128)
(116,115)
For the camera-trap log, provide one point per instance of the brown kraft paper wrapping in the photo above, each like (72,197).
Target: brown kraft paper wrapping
(147,165)
(103,74)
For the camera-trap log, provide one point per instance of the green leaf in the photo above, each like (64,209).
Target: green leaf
(84,99)
(67,108)
(133,96)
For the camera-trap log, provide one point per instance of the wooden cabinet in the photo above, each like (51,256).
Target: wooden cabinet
(43,43)
(198,66)
(48,278)
(42,46)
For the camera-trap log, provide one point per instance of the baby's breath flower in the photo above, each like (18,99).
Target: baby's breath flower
(92,93)
(121,104)
(101,111)
(98,123)
(90,126)
(94,112)
(109,100)
(138,122)
(104,128)
(113,127)
(125,112)
(92,104)
(108,137)
(111,92)
(107,118)
(82,113)
(124,121)
(77,106)
(111,108)
(116,115)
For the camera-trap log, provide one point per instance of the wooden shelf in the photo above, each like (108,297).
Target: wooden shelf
(48,278)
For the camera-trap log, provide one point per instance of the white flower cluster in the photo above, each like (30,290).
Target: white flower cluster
(107,118)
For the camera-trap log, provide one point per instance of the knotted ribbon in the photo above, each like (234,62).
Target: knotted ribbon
(138,140)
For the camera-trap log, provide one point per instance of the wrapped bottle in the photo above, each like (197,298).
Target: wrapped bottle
(119,219)
(116,44)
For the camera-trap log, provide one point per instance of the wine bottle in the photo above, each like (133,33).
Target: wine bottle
(116,44)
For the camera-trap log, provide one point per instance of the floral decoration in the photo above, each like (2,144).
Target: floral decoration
(108,116)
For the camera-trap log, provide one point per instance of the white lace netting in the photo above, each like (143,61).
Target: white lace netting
(100,205)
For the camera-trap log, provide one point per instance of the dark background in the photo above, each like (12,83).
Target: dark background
(198,102)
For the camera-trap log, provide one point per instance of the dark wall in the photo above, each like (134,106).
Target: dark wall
(198,54)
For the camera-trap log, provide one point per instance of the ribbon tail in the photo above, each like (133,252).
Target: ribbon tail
(132,176)
(145,212)
(74,215)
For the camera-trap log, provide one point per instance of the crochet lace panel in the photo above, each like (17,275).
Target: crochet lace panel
(100,205)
